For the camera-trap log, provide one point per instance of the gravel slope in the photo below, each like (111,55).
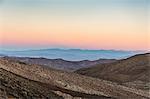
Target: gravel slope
(71,81)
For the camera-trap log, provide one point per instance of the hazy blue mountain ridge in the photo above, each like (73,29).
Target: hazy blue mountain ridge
(72,54)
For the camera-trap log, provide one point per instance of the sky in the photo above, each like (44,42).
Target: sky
(84,24)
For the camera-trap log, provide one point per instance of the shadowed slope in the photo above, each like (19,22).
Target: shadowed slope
(133,71)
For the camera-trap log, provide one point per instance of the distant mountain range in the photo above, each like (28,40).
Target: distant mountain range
(59,63)
(71,54)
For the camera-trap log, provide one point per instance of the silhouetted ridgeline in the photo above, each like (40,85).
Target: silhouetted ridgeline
(60,63)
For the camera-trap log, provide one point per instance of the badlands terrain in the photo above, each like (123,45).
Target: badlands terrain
(120,79)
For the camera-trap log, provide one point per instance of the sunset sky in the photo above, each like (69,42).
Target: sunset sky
(85,24)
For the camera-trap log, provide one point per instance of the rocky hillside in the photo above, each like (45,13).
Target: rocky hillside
(34,81)
(15,86)
(60,63)
(132,72)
